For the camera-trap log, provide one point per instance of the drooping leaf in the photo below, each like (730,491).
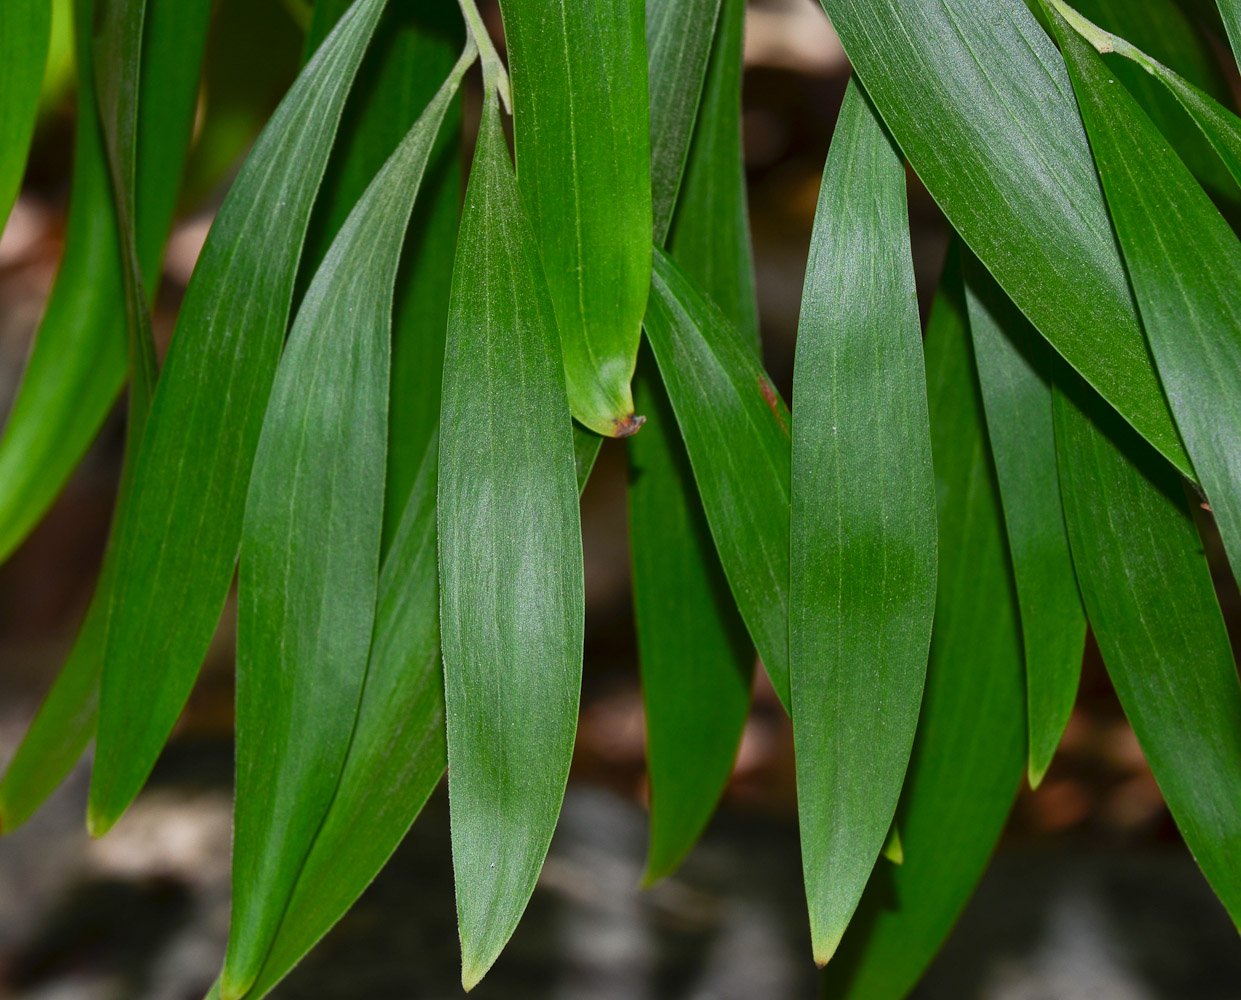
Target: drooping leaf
(582,132)
(65,721)
(863,537)
(511,597)
(25,32)
(1183,261)
(1148,593)
(720,393)
(177,538)
(309,563)
(78,362)
(1014,369)
(679,44)
(950,79)
(970,750)
(415,48)
(697,661)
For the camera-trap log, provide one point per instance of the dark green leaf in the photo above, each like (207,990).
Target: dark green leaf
(582,133)
(1184,260)
(720,393)
(415,48)
(1230,11)
(863,539)
(1014,369)
(177,538)
(952,80)
(970,749)
(678,42)
(697,661)
(25,30)
(1148,593)
(310,549)
(511,598)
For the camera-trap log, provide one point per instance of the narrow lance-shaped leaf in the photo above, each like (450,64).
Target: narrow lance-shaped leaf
(511,597)
(310,550)
(697,661)
(582,134)
(25,30)
(1230,11)
(66,720)
(862,592)
(177,537)
(679,45)
(1183,260)
(1148,593)
(970,750)
(950,77)
(415,48)
(720,393)
(1014,369)
(79,359)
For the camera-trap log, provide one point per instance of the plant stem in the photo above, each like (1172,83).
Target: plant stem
(495,76)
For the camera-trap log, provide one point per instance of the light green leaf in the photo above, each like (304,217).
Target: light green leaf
(697,661)
(1183,260)
(309,561)
(65,721)
(970,750)
(1014,369)
(582,133)
(511,590)
(863,534)
(25,33)
(177,538)
(720,393)
(679,44)
(1148,593)
(415,48)
(952,80)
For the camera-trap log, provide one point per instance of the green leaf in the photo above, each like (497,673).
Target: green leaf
(25,32)
(1014,369)
(511,597)
(720,393)
(79,358)
(66,720)
(582,135)
(697,661)
(1230,11)
(678,42)
(415,48)
(862,512)
(950,79)
(1183,260)
(1148,593)
(970,750)
(309,561)
(178,536)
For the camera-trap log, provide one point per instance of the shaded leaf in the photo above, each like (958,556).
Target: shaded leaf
(1230,11)
(511,597)
(1014,369)
(25,32)
(582,135)
(177,538)
(970,750)
(1148,593)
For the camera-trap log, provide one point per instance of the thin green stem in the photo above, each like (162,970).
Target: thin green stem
(495,76)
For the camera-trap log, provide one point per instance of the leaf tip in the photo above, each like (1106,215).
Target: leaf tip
(98,822)
(623,427)
(825,949)
(1036,770)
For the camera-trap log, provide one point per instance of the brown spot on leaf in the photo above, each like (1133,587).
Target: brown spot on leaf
(627,426)
(769,394)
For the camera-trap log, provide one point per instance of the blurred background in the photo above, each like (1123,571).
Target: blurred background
(1091,895)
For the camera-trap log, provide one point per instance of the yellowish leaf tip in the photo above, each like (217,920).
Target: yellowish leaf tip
(824,950)
(97,824)
(1035,773)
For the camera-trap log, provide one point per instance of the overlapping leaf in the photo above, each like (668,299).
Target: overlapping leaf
(952,80)
(1014,370)
(720,393)
(863,538)
(25,29)
(1148,593)
(510,549)
(582,132)
(309,563)
(970,750)
(177,537)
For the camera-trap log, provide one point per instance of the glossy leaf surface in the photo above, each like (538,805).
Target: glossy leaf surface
(863,531)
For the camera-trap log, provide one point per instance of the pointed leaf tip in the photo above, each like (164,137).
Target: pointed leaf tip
(627,427)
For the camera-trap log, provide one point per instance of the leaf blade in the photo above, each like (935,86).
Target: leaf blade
(25,34)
